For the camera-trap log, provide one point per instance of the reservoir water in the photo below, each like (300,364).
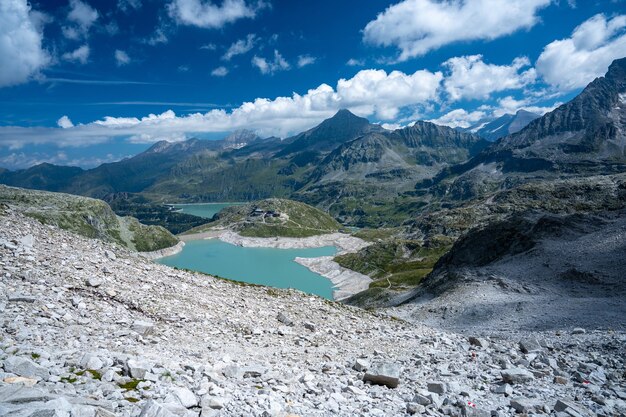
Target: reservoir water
(206,210)
(265,266)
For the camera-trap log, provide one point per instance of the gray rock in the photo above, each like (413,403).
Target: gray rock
(579,330)
(504,389)
(90,361)
(284,319)
(421,399)
(437,387)
(27,241)
(517,376)
(94,282)
(110,255)
(184,396)
(19,394)
(360,365)
(385,373)
(570,407)
(142,327)
(21,298)
(522,405)
(25,367)
(477,341)
(154,409)
(309,326)
(137,369)
(530,345)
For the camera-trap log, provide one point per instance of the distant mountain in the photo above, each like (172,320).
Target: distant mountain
(345,164)
(340,128)
(504,125)
(586,136)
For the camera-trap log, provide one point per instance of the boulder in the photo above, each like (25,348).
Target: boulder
(360,365)
(530,345)
(284,319)
(184,396)
(25,367)
(517,375)
(385,373)
(137,369)
(437,387)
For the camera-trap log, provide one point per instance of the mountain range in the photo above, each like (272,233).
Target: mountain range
(507,124)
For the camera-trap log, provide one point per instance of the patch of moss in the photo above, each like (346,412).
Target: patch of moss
(95,374)
(131,399)
(68,379)
(35,355)
(131,385)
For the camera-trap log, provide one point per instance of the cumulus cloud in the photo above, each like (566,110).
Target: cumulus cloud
(121,58)
(471,78)
(206,14)
(81,54)
(65,122)
(129,5)
(418,26)
(369,92)
(460,118)
(269,67)
(352,62)
(220,72)
(82,16)
(21,47)
(304,60)
(240,47)
(572,63)
(376,92)
(511,105)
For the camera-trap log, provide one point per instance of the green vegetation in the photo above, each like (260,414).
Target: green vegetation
(273,217)
(131,385)
(394,263)
(87,217)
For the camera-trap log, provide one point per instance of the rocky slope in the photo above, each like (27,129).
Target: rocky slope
(533,271)
(89,329)
(87,217)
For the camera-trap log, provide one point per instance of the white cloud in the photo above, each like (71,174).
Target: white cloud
(21,51)
(205,14)
(419,26)
(128,5)
(269,67)
(80,54)
(471,78)
(572,63)
(121,58)
(304,60)
(355,62)
(376,92)
(242,46)
(220,72)
(65,122)
(460,118)
(209,47)
(83,16)
(159,36)
(511,105)
(369,92)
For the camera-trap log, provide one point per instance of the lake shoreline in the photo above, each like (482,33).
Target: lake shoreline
(345,281)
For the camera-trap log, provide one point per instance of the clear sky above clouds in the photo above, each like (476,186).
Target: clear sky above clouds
(89,81)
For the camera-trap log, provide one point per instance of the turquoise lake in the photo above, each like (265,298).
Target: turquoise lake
(204,210)
(265,266)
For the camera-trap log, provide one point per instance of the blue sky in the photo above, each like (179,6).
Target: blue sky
(85,81)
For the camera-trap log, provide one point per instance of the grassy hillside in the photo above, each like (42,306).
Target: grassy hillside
(87,217)
(274,217)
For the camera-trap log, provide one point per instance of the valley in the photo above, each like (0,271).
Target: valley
(354,268)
